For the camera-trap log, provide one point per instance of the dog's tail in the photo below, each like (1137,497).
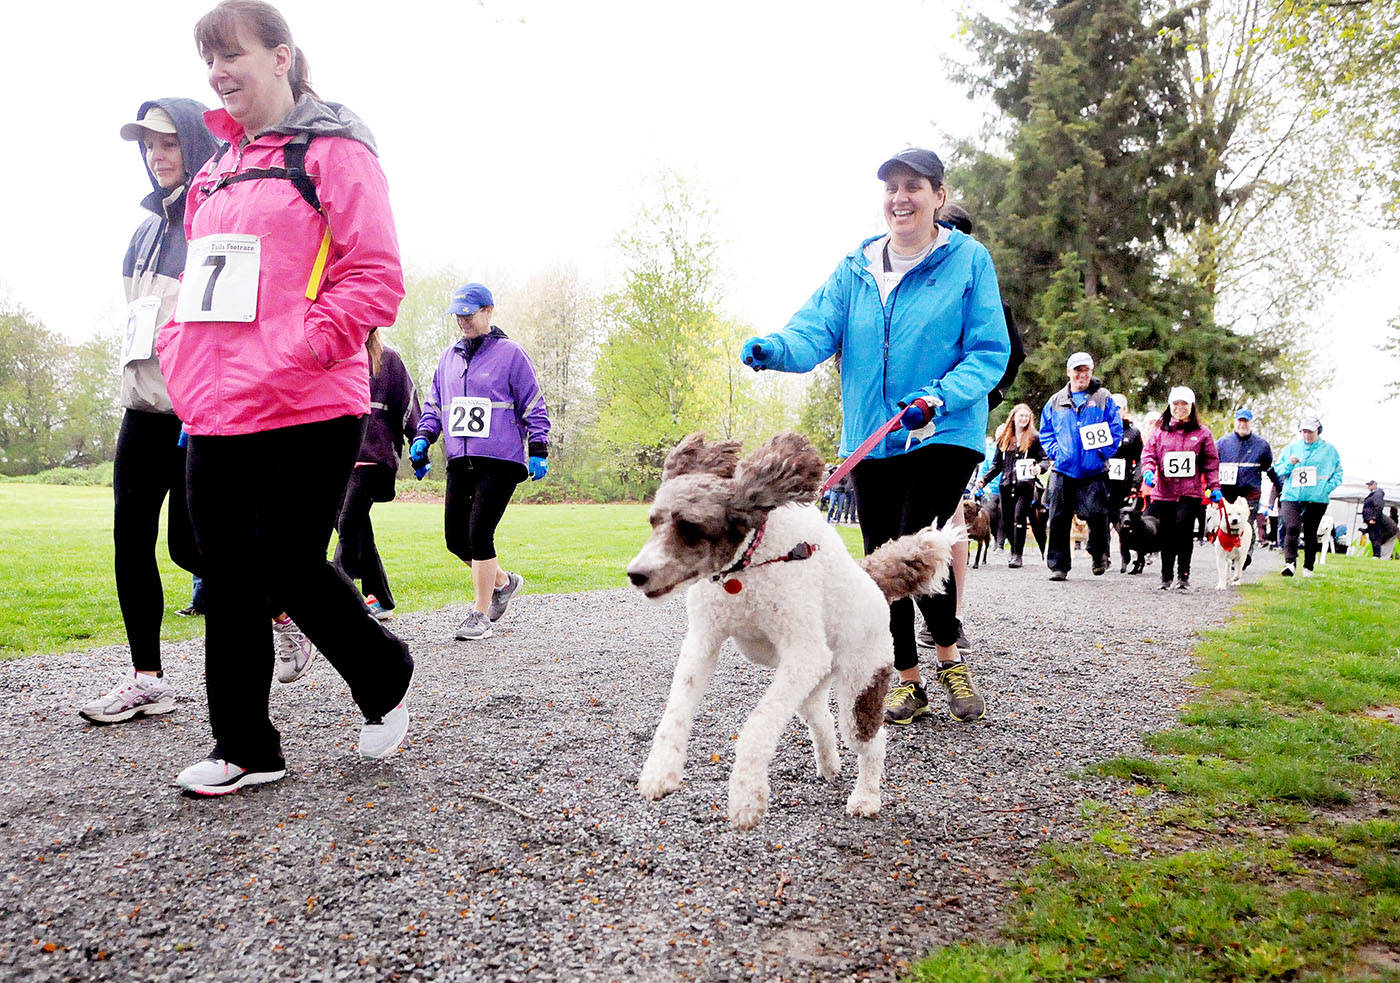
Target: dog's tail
(914,565)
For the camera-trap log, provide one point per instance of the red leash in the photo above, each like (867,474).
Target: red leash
(859,455)
(1227,540)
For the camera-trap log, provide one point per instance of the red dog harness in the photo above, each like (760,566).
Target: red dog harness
(1227,540)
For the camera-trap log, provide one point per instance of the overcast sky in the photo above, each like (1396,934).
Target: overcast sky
(518,134)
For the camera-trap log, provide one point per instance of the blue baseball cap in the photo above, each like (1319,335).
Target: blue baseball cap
(1243,415)
(470,299)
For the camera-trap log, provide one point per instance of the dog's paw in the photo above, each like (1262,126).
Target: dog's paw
(747,804)
(865,804)
(829,766)
(656,782)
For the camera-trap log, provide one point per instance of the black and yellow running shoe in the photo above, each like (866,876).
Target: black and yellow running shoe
(905,701)
(964,702)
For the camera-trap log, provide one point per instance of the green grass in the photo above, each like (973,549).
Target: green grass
(57,594)
(1274,857)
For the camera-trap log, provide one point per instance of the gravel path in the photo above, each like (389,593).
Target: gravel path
(349,870)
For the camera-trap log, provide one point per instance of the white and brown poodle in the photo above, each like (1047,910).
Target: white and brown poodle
(769,572)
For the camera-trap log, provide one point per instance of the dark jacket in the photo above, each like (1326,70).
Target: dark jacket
(1130,451)
(1013,363)
(1004,462)
(393,413)
(1253,459)
(156,256)
(1379,526)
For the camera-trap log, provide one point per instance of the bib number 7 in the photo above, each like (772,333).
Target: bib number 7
(221,279)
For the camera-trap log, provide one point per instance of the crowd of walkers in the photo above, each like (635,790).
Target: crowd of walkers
(257,287)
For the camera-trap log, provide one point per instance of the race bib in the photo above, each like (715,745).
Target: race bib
(1305,477)
(1025,469)
(1095,435)
(469,416)
(140,329)
(1229,474)
(1179,464)
(1117,469)
(221,279)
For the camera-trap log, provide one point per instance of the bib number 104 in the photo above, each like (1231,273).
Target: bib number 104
(469,416)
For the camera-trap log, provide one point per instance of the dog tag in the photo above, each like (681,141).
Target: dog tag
(1229,474)
(1179,464)
(1117,469)
(1305,476)
(1095,435)
(733,586)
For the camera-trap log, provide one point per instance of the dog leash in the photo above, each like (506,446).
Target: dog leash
(733,585)
(860,452)
(1227,540)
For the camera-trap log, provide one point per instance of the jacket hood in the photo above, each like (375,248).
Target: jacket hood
(310,116)
(197,144)
(866,253)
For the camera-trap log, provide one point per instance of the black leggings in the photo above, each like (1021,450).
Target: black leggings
(1176,532)
(478,491)
(1017,501)
(255,526)
(1304,516)
(150,463)
(903,494)
(355,551)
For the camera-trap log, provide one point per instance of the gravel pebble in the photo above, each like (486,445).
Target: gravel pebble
(354,870)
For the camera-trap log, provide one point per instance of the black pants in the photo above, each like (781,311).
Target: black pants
(478,491)
(1304,516)
(1017,500)
(1176,533)
(1086,497)
(903,494)
(255,525)
(355,551)
(150,463)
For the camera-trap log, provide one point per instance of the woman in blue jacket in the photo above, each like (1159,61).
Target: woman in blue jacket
(915,317)
(1310,470)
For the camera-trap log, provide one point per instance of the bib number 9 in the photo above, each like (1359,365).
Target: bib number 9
(221,279)
(1229,474)
(140,329)
(1117,469)
(1305,477)
(1179,464)
(1025,469)
(469,416)
(1095,435)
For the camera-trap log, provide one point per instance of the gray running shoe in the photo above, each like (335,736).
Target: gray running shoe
(905,701)
(136,695)
(474,626)
(502,596)
(964,702)
(294,651)
(924,638)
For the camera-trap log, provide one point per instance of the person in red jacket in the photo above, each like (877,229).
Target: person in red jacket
(292,262)
(1179,458)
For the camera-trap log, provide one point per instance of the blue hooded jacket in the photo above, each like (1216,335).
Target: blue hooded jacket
(1319,455)
(941,334)
(1060,424)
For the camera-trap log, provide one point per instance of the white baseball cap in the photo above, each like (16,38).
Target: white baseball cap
(1309,422)
(1078,359)
(1182,394)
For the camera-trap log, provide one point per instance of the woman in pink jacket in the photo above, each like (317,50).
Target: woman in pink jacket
(292,262)
(1178,458)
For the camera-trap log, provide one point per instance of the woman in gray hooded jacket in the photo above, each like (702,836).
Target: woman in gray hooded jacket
(150,459)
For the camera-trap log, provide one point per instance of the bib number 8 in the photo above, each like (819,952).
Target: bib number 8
(469,416)
(1305,477)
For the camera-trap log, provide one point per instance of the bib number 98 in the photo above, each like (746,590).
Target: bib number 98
(1096,435)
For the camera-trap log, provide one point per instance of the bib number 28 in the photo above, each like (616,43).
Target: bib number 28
(1095,435)
(221,279)
(469,416)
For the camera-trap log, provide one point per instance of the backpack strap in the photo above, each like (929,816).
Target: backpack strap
(294,170)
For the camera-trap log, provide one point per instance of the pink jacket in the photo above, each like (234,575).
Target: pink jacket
(1196,441)
(299,360)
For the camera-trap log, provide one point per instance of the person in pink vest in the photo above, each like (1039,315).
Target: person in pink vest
(293,261)
(1179,458)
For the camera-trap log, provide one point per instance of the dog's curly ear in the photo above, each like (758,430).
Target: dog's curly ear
(693,456)
(786,469)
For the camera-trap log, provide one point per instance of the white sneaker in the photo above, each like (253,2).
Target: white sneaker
(1305,572)
(1287,570)
(135,695)
(294,651)
(214,776)
(474,626)
(380,739)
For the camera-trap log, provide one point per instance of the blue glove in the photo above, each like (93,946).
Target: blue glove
(539,467)
(418,452)
(978,493)
(184,440)
(1149,478)
(421,471)
(1215,495)
(758,353)
(915,415)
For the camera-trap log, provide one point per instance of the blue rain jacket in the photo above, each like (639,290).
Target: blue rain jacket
(1059,430)
(1320,455)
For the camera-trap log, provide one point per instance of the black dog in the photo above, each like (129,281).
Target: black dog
(1137,532)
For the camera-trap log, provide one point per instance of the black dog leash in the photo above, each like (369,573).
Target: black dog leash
(732,584)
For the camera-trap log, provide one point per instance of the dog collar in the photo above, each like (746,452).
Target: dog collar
(733,585)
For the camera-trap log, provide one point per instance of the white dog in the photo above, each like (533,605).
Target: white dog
(772,575)
(1326,543)
(1232,548)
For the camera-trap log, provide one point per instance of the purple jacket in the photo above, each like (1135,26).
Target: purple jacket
(1175,438)
(493,368)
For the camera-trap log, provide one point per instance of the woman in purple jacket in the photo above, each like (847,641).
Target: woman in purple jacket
(486,402)
(1178,457)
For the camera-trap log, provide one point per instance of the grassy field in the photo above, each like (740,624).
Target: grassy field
(57,594)
(1278,855)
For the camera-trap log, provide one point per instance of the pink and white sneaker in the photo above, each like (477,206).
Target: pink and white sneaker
(136,695)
